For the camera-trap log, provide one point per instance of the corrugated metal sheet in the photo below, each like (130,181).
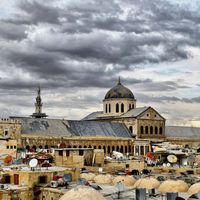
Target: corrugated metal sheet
(182,132)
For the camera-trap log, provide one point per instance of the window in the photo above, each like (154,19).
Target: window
(122,107)
(151,130)
(131,129)
(122,149)
(94,147)
(142,130)
(133,106)
(81,152)
(155,115)
(67,153)
(113,148)
(117,149)
(15,147)
(7,147)
(11,147)
(156,130)
(42,179)
(147,115)
(129,106)
(109,108)
(104,148)
(126,149)
(99,147)
(106,108)
(117,108)
(161,130)
(146,130)
(6,132)
(60,153)
(108,149)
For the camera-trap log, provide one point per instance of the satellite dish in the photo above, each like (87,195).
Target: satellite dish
(168,164)
(33,162)
(172,158)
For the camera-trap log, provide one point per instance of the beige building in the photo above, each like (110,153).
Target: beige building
(120,126)
(119,105)
(10,137)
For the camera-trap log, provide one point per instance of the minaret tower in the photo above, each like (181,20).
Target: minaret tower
(38,106)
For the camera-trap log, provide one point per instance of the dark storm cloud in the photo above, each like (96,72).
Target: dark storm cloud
(12,31)
(81,44)
(145,99)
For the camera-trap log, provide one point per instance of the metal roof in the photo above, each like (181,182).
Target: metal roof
(182,132)
(92,115)
(69,128)
(96,128)
(135,112)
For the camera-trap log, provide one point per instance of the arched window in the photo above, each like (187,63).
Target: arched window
(109,108)
(131,129)
(129,148)
(94,147)
(46,146)
(79,146)
(122,149)
(129,106)
(113,148)
(106,108)
(99,147)
(146,130)
(161,130)
(133,106)
(142,130)
(104,148)
(126,149)
(108,149)
(151,130)
(40,147)
(76,146)
(90,146)
(117,149)
(122,107)
(117,108)
(156,130)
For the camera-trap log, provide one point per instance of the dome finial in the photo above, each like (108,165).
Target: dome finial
(119,81)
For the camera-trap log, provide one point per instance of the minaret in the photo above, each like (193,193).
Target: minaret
(38,106)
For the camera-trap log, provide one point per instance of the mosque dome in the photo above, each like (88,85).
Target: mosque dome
(119,91)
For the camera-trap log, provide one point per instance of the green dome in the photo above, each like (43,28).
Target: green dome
(119,91)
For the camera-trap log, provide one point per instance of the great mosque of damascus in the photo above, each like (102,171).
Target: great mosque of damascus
(120,126)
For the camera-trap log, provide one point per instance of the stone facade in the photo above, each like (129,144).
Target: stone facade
(116,107)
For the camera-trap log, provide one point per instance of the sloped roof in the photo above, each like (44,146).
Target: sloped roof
(92,115)
(70,128)
(182,132)
(96,128)
(43,126)
(135,112)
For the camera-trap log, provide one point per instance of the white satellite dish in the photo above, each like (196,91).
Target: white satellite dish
(33,162)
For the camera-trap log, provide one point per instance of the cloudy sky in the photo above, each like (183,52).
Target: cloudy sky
(76,50)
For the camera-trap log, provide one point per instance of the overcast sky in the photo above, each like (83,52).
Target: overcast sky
(76,50)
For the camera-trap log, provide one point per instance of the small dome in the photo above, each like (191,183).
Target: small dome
(119,91)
